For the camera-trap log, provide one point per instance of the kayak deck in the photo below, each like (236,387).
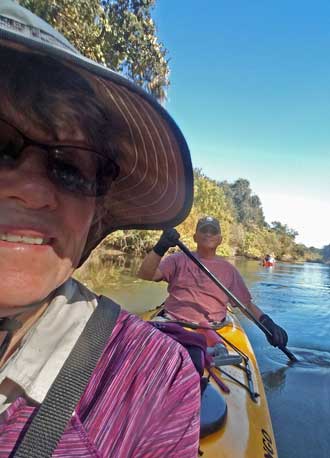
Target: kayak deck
(247,429)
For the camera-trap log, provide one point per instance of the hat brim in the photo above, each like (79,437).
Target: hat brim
(155,187)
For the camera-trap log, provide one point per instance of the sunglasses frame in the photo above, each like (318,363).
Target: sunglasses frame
(49,147)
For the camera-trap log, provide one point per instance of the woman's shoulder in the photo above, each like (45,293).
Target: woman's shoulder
(134,331)
(142,377)
(131,328)
(141,355)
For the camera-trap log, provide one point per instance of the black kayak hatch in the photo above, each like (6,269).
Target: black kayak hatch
(213,410)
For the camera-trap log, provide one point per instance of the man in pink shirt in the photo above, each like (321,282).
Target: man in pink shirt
(192,295)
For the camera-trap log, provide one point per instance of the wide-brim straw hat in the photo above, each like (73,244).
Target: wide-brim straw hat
(155,187)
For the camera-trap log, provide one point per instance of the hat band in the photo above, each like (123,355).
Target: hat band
(29,31)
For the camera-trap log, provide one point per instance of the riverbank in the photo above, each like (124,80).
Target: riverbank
(107,265)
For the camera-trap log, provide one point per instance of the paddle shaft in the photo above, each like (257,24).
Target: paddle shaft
(232,297)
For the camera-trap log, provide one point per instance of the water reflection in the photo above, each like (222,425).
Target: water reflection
(313,359)
(298,297)
(274,380)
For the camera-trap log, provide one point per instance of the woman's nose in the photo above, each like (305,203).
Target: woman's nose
(28,183)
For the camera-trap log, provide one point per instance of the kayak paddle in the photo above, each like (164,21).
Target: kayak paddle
(183,247)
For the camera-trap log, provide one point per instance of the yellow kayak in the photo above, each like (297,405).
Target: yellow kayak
(236,424)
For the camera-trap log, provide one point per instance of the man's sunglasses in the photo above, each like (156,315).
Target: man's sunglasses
(209,230)
(72,168)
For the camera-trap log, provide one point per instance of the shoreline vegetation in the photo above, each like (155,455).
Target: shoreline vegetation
(244,229)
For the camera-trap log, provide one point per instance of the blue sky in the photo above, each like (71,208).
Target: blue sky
(250,88)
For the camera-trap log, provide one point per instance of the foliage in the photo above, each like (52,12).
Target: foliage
(284,230)
(131,241)
(259,241)
(247,205)
(253,239)
(117,33)
(286,237)
(100,271)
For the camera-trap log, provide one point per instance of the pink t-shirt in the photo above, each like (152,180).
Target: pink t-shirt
(193,296)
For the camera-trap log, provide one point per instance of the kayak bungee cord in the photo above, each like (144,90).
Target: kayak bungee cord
(244,366)
(183,247)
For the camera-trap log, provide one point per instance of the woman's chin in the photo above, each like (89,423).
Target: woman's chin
(22,298)
(23,283)
(25,290)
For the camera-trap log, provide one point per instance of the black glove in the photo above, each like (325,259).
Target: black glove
(168,239)
(278,337)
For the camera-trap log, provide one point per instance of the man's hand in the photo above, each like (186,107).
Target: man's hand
(279,337)
(167,240)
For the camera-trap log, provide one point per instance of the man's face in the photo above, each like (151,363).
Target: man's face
(207,237)
(43,228)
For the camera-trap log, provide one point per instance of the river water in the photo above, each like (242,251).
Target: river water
(297,296)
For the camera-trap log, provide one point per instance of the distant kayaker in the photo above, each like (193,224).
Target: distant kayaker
(269,260)
(81,150)
(192,295)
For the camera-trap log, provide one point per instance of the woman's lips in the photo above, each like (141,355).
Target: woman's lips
(24,237)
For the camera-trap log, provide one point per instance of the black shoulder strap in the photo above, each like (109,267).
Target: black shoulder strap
(49,423)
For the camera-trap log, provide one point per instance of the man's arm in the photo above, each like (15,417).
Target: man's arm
(278,337)
(256,311)
(149,268)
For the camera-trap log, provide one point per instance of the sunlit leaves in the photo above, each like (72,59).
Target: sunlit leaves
(253,240)
(120,34)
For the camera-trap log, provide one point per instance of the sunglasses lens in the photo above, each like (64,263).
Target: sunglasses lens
(11,145)
(209,230)
(107,173)
(74,169)
(80,171)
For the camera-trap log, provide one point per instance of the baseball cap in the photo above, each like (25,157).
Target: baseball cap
(208,221)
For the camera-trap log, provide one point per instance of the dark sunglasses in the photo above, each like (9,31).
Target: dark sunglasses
(72,168)
(209,230)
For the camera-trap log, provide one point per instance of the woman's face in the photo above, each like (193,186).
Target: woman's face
(43,228)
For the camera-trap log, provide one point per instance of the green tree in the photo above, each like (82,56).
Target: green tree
(284,229)
(117,33)
(248,209)
(286,237)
